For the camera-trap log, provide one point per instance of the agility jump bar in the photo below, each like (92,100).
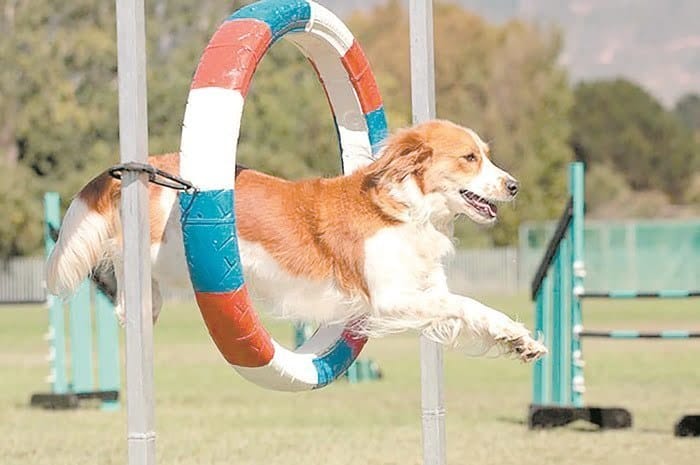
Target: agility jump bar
(559,234)
(631,294)
(633,334)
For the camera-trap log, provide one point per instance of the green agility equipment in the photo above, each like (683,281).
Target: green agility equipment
(68,389)
(558,291)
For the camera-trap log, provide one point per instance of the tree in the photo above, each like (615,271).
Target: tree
(58,100)
(618,123)
(287,127)
(55,103)
(20,203)
(688,111)
(9,149)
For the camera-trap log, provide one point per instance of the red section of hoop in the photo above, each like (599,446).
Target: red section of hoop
(235,328)
(360,73)
(232,55)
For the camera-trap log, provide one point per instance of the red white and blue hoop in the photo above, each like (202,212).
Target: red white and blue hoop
(208,159)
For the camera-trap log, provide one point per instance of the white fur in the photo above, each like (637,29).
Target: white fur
(407,281)
(489,180)
(168,256)
(81,245)
(292,297)
(405,274)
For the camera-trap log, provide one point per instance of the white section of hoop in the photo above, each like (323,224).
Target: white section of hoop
(210,137)
(356,150)
(326,25)
(294,371)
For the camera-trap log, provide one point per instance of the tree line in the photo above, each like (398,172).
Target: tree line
(59,115)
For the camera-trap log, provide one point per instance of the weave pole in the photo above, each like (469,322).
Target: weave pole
(133,146)
(423,108)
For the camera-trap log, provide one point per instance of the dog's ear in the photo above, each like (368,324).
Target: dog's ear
(404,154)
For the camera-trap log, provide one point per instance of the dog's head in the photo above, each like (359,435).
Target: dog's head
(448,161)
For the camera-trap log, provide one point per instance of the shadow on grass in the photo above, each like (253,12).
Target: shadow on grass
(581,426)
(511,420)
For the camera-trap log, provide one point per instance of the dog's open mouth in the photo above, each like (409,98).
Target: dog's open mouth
(483,206)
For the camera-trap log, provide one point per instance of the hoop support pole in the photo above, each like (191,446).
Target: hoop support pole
(133,146)
(423,109)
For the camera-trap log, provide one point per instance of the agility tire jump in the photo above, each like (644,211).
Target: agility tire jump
(208,159)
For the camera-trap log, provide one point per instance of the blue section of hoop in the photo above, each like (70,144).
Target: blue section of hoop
(333,363)
(376,123)
(281,16)
(211,245)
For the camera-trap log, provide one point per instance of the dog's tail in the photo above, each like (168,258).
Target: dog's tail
(84,239)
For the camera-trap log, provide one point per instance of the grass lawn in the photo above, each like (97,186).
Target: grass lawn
(206,414)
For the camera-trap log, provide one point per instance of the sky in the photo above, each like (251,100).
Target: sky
(653,42)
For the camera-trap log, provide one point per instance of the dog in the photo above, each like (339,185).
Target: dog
(367,246)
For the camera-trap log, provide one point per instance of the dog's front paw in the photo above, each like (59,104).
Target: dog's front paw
(528,349)
(121,314)
(515,339)
(524,347)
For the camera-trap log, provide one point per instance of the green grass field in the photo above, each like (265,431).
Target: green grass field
(206,414)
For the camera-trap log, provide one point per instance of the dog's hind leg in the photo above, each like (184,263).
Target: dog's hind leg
(156,300)
(119,310)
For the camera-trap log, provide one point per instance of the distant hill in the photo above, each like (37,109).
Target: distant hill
(653,42)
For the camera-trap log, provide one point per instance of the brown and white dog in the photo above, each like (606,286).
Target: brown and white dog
(368,244)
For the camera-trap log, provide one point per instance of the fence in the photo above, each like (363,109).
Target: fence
(642,255)
(485,271)
(22,280)
(470,271)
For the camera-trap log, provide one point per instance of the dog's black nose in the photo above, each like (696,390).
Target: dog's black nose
(512,186)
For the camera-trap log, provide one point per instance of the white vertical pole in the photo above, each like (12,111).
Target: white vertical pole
(423,104)
(133,142)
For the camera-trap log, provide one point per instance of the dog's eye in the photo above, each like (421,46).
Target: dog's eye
(470,158)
